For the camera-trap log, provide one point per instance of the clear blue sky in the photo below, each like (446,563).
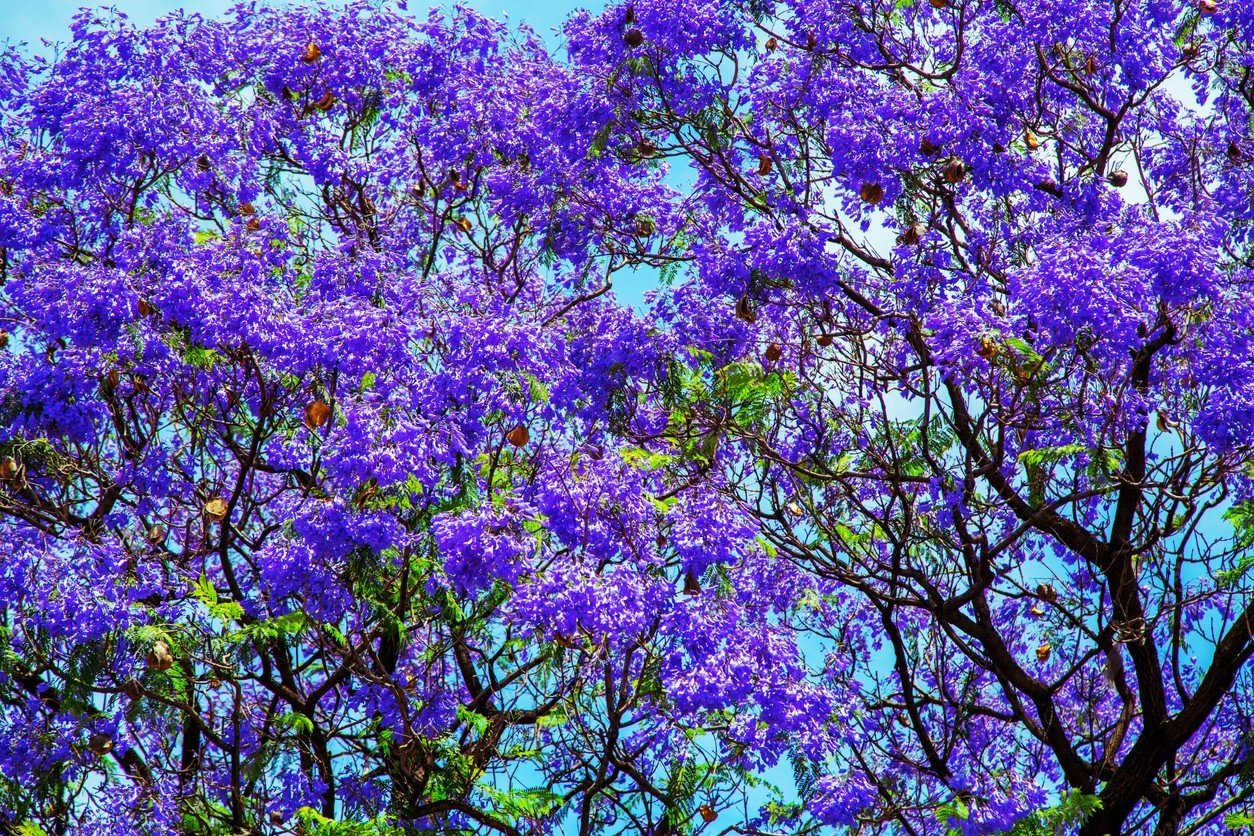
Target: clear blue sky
(31,20)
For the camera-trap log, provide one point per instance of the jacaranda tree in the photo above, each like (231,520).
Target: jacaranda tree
(338,494)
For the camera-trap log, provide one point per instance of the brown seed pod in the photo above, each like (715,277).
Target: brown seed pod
(926,148)
(287,93)
(518,436)
(1090,65)
(312,53)
(247,209)
(871,193)
(1164,423)
(773,353)
(629,17)
(276,817)
(317,413)
(4,338)
(215,509)
(1047,593)
(998,307)
(326,102)
(145,308)
(764,165)
(113,378)
(1207,7)
(1030,139)
(100,743)
(1118,178)
(633,38)
(771,44)
(954,170)
(644,227)
(987,348)
(1042,652)
(913,234)
(132,689)
(202,164)
(692,586)
(824,340)
(214,682)
(157,534)
(159,658)
(463,223)
(998,148)
(645,147)
(1036,611)
(707,813)
(745,311)
(10,468)
(811,41)
(939,4)
(253,225)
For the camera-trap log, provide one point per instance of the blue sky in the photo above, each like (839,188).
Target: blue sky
(31,20)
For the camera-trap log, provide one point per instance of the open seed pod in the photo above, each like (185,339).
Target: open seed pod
(871,193)
(1207,7)
(317,413)
(518,436)
(773,353)
(326,102)
(100,743)
(215,509)
(744,310)
(1118,178)
(692,586)
(312,53)
(764,165)
(1042,652)
(824,340)
(644,227)
(954,170)
(145,308)
(132,689)
(707,813)
(633,38)
(1047,593)
(157,534)
(987,348)
(1030,140)
(10,468)
(771,44)
(159,658)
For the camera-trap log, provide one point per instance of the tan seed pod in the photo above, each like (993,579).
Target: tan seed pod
(1047,593)
(157,534)
(998,307)
(4,338)
(764,165)
(1164,423)
(1118,178)
(771,44)
(252,225)
(987,348)
(1207,7)
(1042,652)
(1036,610)
(644,227)
(824,340)
(216,508)
(634,38)
(773,353)
(463,223)
(247,209)
(913,234)
(312,53)
(1030,140)
(100,743)
(202,163)
(159,658)
(10,468)
(214,682)
(276,817)
(794,509)
(954,170)
(692,586)
(871,193)
(707,813)
(326,102)
(317,414)
(518,436)
(745,311)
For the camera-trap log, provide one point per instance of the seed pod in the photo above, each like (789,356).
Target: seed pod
(312,53)
(214,682)
(707,813)
(326,102)
(215,509)
(794,509)
(100,743)
(954,170)
(824,340)
(926,148)
(518,436)
(145,308)
(645,147)
(1165,423)
(159,658)
(634,38)
(1046,593)
(811,41)
(246,209)
(157,534)
(629,17)
(939,4)
(692,586)
(1118,178)
(10,468)
(871,193)
(4,338)
(1207,7)
(253,225)
(1030,139)
(771,44)
(1235,155)
(987,348)
(276,817)
(463,223)
(1042,652)
(132,689)
(317,414)
(202,164)
(745,311)
(660,540)
(773,353)
(764,165)
(998,307)
(644,227)
(998,148)
(913,234)
(1036,611)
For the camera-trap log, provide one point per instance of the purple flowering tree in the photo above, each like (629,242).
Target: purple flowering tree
(339,495)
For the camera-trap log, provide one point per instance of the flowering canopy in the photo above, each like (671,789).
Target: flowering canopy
(338,494)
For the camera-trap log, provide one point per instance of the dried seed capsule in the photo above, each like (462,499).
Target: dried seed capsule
(926,148)
(644,227)
(795,509)
(312,53)
(159,658)
(100,743)
(1036,611)
(1030,140)
(4,338)
(871,193)
(811,41)
(629,17)
(987,348)
(939,4)
(707,813)
(317,414)
(132,689)
(634,38)
(1207,7)
(771,44)
(824,340)
(764,165)
(1047,593)
(998,307)
(692,586)
(1090,65)
(326,102)
(145,308)
(157,534)
(10,468)
(1165,423)
(216,508)
(202,164)
(773,353)
(744,310)
(913,234)
(252,225)
(246,209)
(1042,652)
(1118,178)
(518,436)
(954,170)
(463,223)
